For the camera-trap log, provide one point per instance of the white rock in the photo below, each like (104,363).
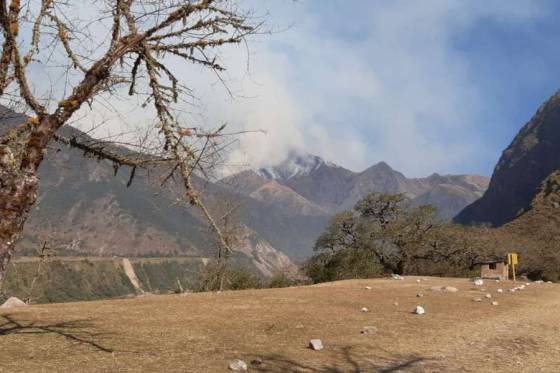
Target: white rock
(418,281)
(395,304)
(494,303)
(238,365)
(539,282)
(364,309)
(368,287)
(513,290)
(528,283)
(316,344)
(13,302)
(522,287)
(450,289)
(500,290)
(419,295)
(488,295)
(478,282)
(549,282)
(477,299)
(397,277)
(369,330)
(419,310)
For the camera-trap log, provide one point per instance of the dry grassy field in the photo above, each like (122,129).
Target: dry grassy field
(204,332)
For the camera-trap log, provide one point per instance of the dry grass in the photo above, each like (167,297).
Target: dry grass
(203,332)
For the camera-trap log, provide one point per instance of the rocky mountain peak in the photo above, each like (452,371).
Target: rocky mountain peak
(296,164)
(531,157)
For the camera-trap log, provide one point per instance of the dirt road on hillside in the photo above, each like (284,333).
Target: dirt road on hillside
(204,332)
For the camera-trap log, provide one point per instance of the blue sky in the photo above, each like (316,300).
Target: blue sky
(427,86)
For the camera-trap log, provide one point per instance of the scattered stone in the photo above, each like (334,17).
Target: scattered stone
(494,303)
(549,282)
(528,283)
(418,281)
(500,290)
(477,299)
(419,310)
(238,365)
(478,282)
(397,277)
(448,289)
(419,295)
(364,309)
(497,280)
(316,344)
(513,290)
(368,330)
(539,282)
(368,287)
(395,304)
(13,302)
(299,326)
(488,295)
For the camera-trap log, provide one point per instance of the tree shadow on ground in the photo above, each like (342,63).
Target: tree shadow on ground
(81,332)
(348,362)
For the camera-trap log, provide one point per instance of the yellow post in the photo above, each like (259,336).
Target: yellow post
(512,261)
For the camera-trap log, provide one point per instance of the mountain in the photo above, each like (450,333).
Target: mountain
(332,188)
(532,156)
(83,207)
(542,219)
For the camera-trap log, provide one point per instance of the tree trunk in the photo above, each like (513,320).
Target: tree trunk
(18,192)
(21,153)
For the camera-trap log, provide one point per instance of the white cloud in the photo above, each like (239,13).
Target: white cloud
(356,82)
(381,81)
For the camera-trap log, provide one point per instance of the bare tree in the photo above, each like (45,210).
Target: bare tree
(132,55)
(225,212)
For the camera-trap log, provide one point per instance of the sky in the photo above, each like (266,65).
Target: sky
(426,86)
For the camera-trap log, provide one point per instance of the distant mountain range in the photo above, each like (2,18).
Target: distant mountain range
(532,157)
(83,208)
(313,186)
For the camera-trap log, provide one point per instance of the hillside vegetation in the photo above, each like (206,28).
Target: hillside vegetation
(74,279)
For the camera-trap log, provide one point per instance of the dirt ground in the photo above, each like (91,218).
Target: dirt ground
(204,332)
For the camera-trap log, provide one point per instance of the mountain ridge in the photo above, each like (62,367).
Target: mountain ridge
(334,188)
(530,158)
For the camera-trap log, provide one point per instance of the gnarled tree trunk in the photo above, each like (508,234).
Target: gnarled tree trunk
(21,152)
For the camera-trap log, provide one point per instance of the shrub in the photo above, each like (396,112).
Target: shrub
(343,264)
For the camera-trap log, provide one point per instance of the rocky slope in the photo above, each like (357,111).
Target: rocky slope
(532,156)
(84,208)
